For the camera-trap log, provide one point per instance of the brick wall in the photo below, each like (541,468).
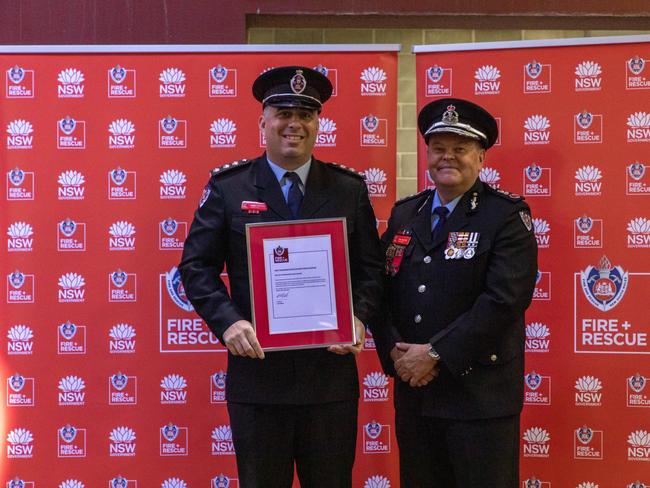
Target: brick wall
(407,113)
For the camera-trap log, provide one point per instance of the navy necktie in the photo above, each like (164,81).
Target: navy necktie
(294,198)
(442,213)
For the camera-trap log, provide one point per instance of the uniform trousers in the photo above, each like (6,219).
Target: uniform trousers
(447,453)
(320,439)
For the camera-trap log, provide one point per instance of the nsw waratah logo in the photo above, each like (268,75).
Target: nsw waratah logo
(20,340)
(223,133)
(172,83)
(638,233)
(537,130)
(487,80)
(373,81)
(122,339)
(121,134)
(222,444)
(326,136)
(71,83)
(542,233)
(588,392)
(537,337)
(588,76)
(20,237)
(71,483)
(490,176)
(174,483)
(638,446)
(176,290)
(20,444)
(604,285)
(376,182)
(173,185)
(375,387)
(588,181)
(122,441)
(173,389)
(71,185)
(639,127)
(377,481)
(19,134)
(71,391)
(536,442)
(71,288)
(121,236)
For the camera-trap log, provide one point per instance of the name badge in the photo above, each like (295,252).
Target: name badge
(461,245)
(253,207)
(395,251)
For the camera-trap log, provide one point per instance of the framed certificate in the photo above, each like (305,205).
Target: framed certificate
(299,275)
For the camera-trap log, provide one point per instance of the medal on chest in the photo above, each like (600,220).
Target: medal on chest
(461,245)
(395,251)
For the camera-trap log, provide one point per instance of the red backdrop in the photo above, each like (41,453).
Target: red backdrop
(109,372)
(575,141)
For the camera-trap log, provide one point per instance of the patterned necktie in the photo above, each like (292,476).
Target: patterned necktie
(294,198)
(442,213)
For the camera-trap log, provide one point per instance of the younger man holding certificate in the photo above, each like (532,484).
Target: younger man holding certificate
(290,406)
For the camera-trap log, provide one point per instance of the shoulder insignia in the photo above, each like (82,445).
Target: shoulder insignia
(219,170)
(346,170)
(513,197)
(411,197)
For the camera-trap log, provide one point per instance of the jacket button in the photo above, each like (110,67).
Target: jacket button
(427,259)
(422,288)
(493,358)
(417,319)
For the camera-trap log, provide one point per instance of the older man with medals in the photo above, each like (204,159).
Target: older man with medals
(460,267)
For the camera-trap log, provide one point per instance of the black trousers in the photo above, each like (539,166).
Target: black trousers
(320,439)
(444,453)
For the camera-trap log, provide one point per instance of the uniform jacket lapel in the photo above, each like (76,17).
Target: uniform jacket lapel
(317,190)
(268,189)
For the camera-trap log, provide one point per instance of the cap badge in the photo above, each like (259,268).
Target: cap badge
(298,82)
(450,116)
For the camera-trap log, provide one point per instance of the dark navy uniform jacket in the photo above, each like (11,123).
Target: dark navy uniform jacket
(217,236)
(470,310)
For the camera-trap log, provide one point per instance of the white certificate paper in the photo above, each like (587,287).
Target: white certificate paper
(299,284)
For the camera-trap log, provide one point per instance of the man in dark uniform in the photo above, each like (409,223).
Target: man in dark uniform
(290,406)
(460,266)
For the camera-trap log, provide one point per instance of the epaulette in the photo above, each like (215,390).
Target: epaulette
(411,197)
(513,197)
(347,171)
(226,168)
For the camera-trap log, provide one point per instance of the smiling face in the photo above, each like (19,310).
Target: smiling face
(454,163)
(290,134)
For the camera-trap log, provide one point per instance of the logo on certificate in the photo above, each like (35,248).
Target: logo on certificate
(280,255)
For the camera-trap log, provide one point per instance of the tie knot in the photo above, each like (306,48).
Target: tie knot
(441,212)
(292,177)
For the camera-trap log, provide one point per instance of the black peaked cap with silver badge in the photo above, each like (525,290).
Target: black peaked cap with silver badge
(457,116)
(292,87)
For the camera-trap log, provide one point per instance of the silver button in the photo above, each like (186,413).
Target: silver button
(422,288)
(417,319)
(493,358)
(427,259)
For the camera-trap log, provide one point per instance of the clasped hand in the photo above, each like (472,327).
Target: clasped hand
(413,363)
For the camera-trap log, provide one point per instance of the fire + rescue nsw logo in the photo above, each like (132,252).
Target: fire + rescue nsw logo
(218,387)
(588,443)
(20,185)
(71,338)
(637,396)
(438,81)
(71,442)
(20,391)
(376,438)
(121,82)
(604,285)
(537,389)
(537,77)
(222,81)
(537,181)
(19,82)
(71,133)
(122,389)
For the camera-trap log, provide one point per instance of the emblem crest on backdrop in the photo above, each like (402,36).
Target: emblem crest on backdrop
(16,483)
(533,172)
(119,381)
(584,223)
(219,380)
(17,382)
(169,226)
(16,74)
(373,429)
(636,170)
(17,279)
(604,285)
(68,433)
(118,74)
(68,330)
(68,125)
(119,278)
(169,124)
(219,73)
(636,65)
(370,123)
(118,176)
(584,119)
(637,382)
(321,69)
(533,380)
(68,227)
(169,432)
(585,434)
(533,483)
(221,481)
(119,482)
(16,176)
(434,73)
(534,69)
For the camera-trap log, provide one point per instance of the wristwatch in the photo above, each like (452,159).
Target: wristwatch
(433,354)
